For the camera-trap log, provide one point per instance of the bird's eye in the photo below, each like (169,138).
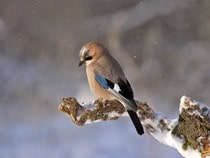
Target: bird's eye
(88,58)
(84,53)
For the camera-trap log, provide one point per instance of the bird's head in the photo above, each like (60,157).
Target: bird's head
(90,52)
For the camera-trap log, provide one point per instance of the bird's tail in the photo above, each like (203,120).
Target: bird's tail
(136,122)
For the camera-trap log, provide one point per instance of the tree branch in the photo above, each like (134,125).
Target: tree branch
(189,133)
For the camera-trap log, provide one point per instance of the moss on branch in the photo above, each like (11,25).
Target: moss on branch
(192,126)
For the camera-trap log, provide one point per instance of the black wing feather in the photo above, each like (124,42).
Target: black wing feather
(125,89)
(136,122)
(127,92)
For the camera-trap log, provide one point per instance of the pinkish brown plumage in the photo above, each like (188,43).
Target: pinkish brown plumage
(107,79)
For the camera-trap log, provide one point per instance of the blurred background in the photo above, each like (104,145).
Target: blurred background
(163,46)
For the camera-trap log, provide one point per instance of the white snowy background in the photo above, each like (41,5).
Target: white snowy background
(163,45)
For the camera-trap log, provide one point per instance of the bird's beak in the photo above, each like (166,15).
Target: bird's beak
(81,62)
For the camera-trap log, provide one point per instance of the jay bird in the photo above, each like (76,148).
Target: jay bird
(107,79)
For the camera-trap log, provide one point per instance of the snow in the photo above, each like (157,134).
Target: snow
(89,121)
(89,106)
(195,111)
(166,137)
(113,114)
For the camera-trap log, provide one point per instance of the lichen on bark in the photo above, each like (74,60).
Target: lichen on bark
(192,126)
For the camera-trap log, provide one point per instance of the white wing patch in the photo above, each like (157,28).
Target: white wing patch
(117,88)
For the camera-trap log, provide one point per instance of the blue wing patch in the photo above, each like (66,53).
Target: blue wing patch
(103,82)
(118,90)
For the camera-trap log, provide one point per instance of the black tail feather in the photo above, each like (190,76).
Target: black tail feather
(136,122)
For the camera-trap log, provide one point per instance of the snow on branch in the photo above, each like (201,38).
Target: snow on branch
(189,133)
